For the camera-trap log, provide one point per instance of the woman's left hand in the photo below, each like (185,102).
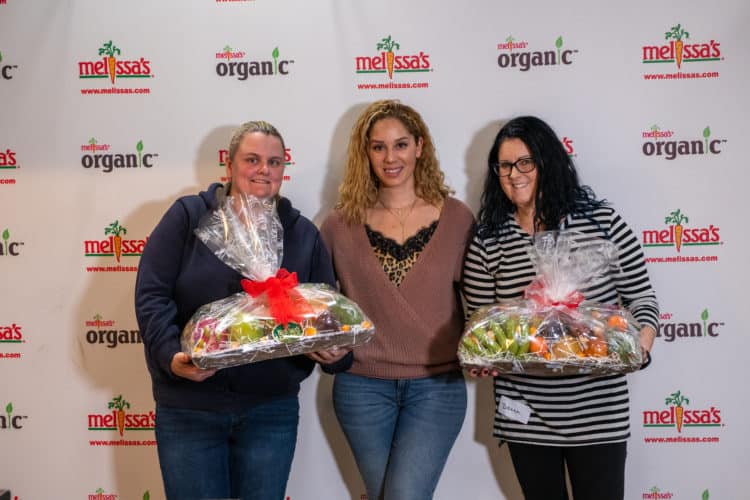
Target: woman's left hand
(329,356)
(647,336)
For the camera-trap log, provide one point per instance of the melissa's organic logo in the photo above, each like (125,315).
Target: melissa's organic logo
(112,67)
(702,328)
(120,420)
(98,157)
(115,245)
(9,247)
(390,63)
(677,234)
(678,416)
(10,420)
(105,332)
(514,55)
(678,51)
(243,69)
(7,70)
(660,142)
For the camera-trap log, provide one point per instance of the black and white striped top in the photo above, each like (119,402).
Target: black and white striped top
(568,410)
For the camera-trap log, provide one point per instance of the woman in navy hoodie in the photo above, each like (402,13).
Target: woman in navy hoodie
(231,432)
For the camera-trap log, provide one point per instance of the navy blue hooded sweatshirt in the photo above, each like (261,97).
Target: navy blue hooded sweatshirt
(177,274)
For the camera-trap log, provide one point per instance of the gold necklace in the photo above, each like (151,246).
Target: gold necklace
(401,219)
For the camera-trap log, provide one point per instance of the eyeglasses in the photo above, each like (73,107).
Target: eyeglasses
(523,165)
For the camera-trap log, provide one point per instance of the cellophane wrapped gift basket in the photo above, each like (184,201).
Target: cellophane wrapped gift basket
(274,316)
(553,331)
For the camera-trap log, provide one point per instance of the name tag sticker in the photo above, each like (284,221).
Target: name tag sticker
(514,410)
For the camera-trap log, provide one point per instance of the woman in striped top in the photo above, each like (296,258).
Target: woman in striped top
(580,421)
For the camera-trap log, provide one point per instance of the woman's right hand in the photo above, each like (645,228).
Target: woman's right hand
(183,366)
(482,373)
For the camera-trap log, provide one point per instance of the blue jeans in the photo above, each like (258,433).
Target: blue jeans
(400,431)
(247,455)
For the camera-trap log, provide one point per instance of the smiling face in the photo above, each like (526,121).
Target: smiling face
(257,168)
(518,187)
(393,153)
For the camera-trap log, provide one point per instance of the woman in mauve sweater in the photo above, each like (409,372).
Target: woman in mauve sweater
(397,240)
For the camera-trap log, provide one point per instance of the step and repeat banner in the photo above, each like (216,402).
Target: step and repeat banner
(111,110)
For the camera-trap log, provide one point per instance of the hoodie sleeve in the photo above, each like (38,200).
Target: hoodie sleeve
(155,306)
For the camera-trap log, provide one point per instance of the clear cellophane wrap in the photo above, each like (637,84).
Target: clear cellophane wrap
(553,330)
(274,316)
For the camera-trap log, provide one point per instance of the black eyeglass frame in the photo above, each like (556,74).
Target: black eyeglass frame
(523,165)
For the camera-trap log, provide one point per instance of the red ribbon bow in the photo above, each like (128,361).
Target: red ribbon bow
(286,303)
(536,292)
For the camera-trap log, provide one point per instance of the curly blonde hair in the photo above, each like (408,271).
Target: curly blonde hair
(359,189)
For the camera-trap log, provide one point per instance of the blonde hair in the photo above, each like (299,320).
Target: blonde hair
(248,128)
(359,189)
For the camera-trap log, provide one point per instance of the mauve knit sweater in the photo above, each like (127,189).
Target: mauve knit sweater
(418,324)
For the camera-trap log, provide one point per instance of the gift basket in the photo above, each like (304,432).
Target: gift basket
(274,316)
(552,330)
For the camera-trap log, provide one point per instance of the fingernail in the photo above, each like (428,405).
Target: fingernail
(473,372)
(485,372)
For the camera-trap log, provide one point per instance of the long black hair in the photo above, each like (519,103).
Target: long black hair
(559,192)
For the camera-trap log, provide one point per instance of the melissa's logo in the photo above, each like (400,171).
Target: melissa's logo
(99,157)
(7,70)
(514,54)
(657,494)
(11,334)
(388,62)
(8,160)
(677,50)
(112,67)
(115,245)
(662,143)
(224,155)
(567,143)
(9,247)
(105,332)
(101,495)
(120,420)
(11,421)
(678,416)
(677,234)
(232,63)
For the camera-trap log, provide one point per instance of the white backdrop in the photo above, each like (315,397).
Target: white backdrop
(652,138)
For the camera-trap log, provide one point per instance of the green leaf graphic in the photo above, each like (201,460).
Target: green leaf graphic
(6,235)
(704,315)
(1,57)
(706,132)
(705,495)
(275,53)
(146,495)
(139,146)
(9,408)
(559,42)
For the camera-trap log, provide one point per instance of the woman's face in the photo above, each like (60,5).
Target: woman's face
(520,188)
(393,153)
(257,167)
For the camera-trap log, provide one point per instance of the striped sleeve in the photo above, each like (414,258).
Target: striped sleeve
(478,279)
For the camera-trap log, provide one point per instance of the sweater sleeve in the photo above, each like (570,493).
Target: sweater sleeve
(159,267)
(327,274)
(631,279)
